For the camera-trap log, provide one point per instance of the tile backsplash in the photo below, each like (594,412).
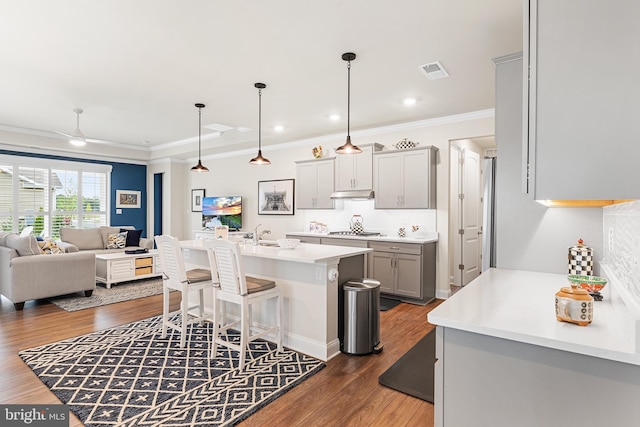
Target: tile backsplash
(621,245)
(380,220)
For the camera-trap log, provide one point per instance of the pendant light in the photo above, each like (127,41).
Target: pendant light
(199,167)
(259,160)
(348,147)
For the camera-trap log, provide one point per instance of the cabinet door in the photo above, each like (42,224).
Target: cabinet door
(306,186)
(388,181)
(324,185)
(408,275)
(582,123)
(345,171)
(415,180)
(380,268)
(363,169)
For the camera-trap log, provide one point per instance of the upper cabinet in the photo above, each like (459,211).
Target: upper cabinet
(405,179)
(355,171)
(582,100)
(314,184)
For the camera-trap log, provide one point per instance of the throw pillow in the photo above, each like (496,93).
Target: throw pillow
(133,236)
(26,245)
(116,240)
(50,247)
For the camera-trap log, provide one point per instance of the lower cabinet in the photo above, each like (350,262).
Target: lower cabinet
(398,268)
(404,269)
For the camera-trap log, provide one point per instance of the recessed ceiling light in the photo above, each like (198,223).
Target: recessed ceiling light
(334,117)
(278,128)
(409,101)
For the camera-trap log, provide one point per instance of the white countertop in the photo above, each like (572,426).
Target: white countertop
(305,253)
(519,306)
(428,237)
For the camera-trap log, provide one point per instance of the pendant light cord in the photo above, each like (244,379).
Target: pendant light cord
(348,97)
(259,120)
(199,133)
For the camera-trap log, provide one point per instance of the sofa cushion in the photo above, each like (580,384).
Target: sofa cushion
(105,230)
(133,236)
(48,246)
(116,240)
(83,238)
(3,237)
(27,245)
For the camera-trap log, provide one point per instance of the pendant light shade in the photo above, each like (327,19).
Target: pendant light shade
(199,167)
(348,147)
(259,159)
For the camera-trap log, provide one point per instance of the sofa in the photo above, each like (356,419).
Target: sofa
(27,272)
(103,239)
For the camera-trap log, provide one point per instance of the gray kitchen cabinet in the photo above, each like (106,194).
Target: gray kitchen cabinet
(355,171)
(404,269)
(405,179)
(314,184)
(580,124)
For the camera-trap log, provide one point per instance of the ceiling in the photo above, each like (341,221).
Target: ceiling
(137,68)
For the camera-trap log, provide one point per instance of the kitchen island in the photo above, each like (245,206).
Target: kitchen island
(504,360)
(309,276)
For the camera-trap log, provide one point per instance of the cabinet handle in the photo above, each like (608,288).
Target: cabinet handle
(395,248)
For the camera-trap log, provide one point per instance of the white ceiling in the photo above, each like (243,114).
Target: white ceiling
(138,67)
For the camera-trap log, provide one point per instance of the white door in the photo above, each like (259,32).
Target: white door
(471,216)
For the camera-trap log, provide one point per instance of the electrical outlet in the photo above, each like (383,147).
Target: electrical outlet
(186,253)
(635,261)
(610,245)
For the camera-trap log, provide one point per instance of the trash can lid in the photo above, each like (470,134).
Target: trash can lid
(361,284)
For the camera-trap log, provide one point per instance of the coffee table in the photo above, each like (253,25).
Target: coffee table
(119,267)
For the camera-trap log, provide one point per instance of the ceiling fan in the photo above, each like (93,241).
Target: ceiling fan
(78,138)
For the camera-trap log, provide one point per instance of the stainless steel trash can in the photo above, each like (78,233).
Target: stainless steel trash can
(360,317)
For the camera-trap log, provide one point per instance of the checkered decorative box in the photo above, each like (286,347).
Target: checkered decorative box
(581,260)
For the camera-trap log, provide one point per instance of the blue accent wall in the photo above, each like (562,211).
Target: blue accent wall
(157,204)
(124,176)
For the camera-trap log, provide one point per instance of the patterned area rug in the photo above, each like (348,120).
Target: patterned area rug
(129,375)
(103,296)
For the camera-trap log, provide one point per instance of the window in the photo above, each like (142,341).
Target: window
(49,194)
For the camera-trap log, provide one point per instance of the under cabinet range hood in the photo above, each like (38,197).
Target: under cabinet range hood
(352,194)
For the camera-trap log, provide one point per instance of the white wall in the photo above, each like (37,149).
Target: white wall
(233,175)
(530,236)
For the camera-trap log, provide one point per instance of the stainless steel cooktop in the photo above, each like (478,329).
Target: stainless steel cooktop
(351,233)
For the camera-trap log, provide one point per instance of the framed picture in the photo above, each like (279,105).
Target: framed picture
(276,197)
(127,199)
(196,200)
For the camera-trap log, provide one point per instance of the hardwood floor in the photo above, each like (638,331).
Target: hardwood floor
(345,393)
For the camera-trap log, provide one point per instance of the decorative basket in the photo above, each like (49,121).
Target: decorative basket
(405,143)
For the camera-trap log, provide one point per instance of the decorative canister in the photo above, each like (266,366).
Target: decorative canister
(405,143)
(581,259)
(356,224)
(574,305)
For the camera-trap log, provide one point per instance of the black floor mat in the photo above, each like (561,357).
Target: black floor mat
(387,303)
(412,374)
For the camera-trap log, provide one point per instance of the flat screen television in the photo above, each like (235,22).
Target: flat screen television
(222,210)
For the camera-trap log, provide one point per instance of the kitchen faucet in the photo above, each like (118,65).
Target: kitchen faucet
(257,237)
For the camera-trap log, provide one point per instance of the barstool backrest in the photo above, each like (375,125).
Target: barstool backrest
(171,258)
(230,270)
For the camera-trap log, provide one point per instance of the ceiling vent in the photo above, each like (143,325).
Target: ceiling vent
(434,70)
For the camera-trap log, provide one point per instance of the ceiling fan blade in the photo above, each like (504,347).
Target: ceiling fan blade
(97,141)
(63,134)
